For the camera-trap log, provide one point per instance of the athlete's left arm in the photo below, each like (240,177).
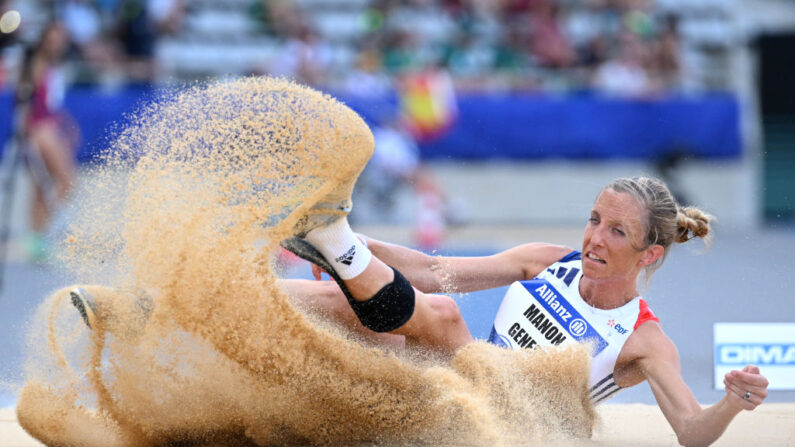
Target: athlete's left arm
(659,363)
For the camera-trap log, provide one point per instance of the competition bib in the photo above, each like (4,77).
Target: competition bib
(533,313)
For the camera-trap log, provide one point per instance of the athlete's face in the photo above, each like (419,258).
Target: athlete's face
(614,242)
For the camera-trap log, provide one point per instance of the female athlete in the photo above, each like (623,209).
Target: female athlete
(558,295)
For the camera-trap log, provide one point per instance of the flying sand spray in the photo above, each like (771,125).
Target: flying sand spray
(187,208)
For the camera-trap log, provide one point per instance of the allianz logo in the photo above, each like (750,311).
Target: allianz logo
(758,354)
(578,327)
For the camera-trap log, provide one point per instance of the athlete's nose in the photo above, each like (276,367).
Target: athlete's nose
(597,235)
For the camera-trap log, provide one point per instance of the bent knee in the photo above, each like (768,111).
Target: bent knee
(329,294)
(313,292)
(446,309)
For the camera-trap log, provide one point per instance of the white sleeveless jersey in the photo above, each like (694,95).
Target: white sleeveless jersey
(549,311)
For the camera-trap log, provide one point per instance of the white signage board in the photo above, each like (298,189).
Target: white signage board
(770,346)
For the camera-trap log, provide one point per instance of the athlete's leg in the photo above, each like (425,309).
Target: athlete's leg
(325,299)
(382,299)
(436,322)
(40,214)
(57,156)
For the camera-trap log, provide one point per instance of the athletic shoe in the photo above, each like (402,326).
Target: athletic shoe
(129,327)
(320,215)
(85,304)
(304,250)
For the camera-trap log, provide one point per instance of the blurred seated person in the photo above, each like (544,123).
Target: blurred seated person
(549,45)
(393,165)
(626,73)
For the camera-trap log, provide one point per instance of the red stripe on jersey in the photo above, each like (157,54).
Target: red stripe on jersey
(645,314)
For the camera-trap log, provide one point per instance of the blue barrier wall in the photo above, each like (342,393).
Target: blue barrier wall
(515,126)
(534,126)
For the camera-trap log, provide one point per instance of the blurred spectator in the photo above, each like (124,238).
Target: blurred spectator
(667,64)
(100,54)
(305,57)
(282,18)
(401,50)
(431,224)
(168,16)
(367,77)
(595,52)
(625,74)
(50,133)
(137,33)
(511,8)
(82,20)
(550,47)
(511,56)
(470,60)
(393,165)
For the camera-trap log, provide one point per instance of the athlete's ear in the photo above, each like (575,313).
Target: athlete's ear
(651,254)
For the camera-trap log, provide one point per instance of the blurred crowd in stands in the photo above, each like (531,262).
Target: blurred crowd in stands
(106,40)
(424,50)
(624,47)
(618,45)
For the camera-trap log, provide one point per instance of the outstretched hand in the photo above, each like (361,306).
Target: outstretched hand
(317,272)
(747,388)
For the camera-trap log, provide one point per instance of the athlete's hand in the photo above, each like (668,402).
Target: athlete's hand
(317,272)
(748,382)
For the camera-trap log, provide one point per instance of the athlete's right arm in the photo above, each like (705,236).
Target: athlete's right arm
(658,360)
(435,274)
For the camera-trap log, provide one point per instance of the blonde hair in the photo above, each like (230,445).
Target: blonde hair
(666,222)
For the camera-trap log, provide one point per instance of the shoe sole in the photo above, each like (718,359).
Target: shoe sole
(306,251)
(85,305)
(320,215)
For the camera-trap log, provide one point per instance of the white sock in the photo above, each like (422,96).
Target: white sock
(341,248)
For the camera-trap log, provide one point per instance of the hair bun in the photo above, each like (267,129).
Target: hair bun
(691,222)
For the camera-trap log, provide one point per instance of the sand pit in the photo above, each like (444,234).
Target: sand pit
(644,425)
(618,425)
(11,434)
(184,214)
